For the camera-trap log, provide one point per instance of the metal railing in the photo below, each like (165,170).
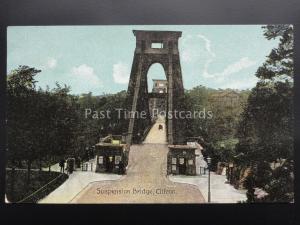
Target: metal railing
(40,189)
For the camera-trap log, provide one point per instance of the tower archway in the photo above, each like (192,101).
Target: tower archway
(157,91)
(155,72)
(155,47)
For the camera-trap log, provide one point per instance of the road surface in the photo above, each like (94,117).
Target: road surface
(155,135)
(146,180)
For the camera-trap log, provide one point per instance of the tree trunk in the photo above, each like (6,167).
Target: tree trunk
(13,184)
(28,170)
(40,164)
(20,164)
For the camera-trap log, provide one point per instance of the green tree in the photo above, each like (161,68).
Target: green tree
(21,116)
(41,124)
(266,130)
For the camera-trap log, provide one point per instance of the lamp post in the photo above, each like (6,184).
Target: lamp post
(208,163)
(230,172)
(87,153)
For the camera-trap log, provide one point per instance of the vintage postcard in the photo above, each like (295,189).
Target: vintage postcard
(150,114)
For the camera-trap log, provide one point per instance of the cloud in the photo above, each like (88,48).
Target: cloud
(192,52)
(186,55)
(84,75)
(212,55)
(207,44)
(192,48)
(235,67)
(121,73)
(51,63)
(198,49)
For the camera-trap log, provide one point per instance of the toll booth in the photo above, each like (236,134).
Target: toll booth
(181,160)
(111,155)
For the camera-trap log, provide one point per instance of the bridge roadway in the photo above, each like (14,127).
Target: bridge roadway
(146,180)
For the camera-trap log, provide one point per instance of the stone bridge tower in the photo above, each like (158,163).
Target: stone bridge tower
(155,47)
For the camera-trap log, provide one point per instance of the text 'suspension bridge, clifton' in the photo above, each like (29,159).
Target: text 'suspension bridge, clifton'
(155,47)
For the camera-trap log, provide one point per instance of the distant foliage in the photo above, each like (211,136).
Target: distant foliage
(219,132)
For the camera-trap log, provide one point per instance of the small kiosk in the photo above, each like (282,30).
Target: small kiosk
(111,155)
(182,160)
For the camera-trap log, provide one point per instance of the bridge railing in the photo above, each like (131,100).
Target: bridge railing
(146,131)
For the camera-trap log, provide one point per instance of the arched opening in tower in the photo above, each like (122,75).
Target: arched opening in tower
(157,90)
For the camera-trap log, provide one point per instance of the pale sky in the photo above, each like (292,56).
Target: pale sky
(98,59)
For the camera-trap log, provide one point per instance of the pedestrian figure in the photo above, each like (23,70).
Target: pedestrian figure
(70,165)
(160,127)
(121,167)
(78,162)
(62,165)
(110,164)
